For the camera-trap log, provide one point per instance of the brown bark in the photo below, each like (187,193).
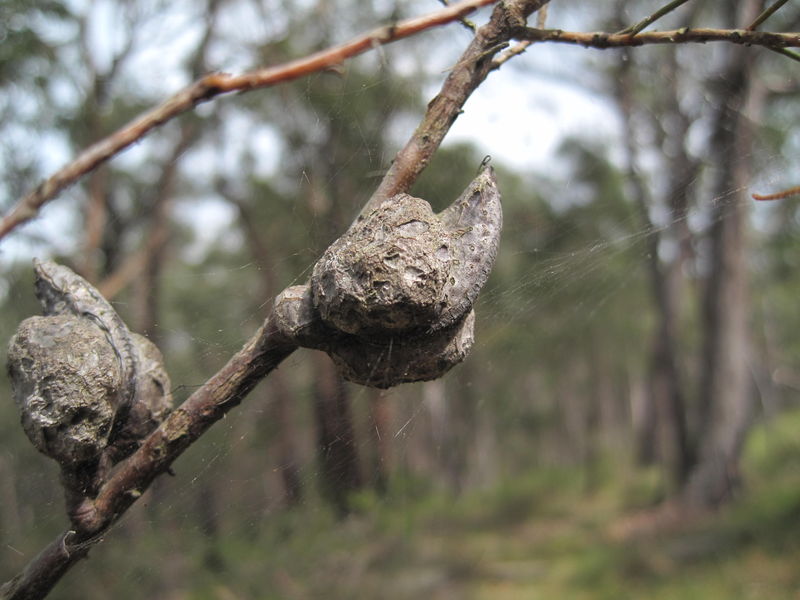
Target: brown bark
(726,387)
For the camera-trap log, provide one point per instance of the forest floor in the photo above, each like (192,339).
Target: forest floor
(552,535)
(547,537)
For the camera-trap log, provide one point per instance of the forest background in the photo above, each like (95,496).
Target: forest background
(626,423)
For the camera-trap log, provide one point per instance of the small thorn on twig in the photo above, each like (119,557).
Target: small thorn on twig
(65,541)
(337,69)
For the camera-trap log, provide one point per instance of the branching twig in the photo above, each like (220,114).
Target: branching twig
(541,17)
(604,40)
(768,12)
(646,22)
(464,21)
(158,234)
(133,266)
(468,73)
(213,85)
(267,348)
(510,53)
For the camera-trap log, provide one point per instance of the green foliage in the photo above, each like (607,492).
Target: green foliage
(24,47)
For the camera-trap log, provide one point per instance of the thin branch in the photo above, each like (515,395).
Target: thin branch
(260,355)
(510,53)
(216,84)
(778,195)
(647,21)
(603,40)
(766,14)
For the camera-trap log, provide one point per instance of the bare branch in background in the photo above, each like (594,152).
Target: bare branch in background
(787,53)
(465,22)
(541,17)
(214,85)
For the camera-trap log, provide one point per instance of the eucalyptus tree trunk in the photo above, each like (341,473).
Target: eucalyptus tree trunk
(278,393)
(726,389)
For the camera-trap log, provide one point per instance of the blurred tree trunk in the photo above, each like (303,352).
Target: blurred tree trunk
(154,250)
(663,426)
(576,413)
(726,387)
(148,284)
(428,423)
(278,390)
(458,429)
(340,474)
